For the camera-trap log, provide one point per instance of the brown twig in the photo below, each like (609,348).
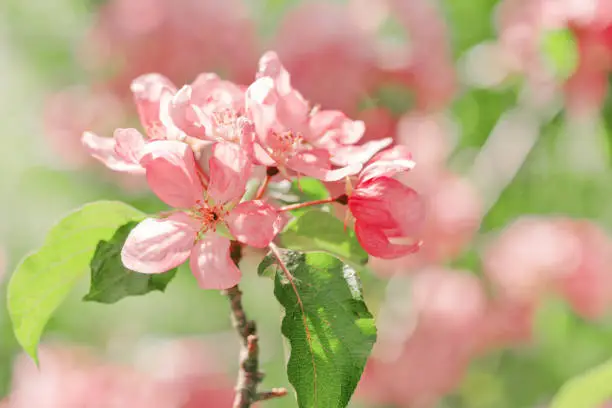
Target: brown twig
(249,375)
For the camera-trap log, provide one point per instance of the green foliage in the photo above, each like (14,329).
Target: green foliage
(44,278)
(561,51)
(588,390)
(111,281)
(299,191)
(329,328)
(321,231)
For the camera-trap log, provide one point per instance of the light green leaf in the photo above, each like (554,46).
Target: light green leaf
(111,281)
(321,231)
(561,51)
(299,191)
(329,328)
(44,278)
(588,390)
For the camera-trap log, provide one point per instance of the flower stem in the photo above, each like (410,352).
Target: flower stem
(341,199)
(270,172)
(249,375)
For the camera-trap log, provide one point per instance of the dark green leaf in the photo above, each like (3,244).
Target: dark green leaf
(111,281)
(329,328)
(321,231)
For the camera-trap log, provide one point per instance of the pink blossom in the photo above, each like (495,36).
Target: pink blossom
(388,215)
(287,139)
(120,153)
(148,91)
(194,231)
(210,109)
(334,131)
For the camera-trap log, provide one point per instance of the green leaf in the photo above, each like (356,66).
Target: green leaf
(44,278)
(588,390)
(561,51)
(299,191)
(321,231)
(329,328)
(111,281)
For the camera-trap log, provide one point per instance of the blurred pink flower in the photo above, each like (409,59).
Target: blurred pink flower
(332,64)
(588,288)
(535,255)
(72,377)
(143,36)
(72,111)
(504,324)
(527,256)
(447,307)
(424,64)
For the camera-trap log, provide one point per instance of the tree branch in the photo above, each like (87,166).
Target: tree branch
(249,375)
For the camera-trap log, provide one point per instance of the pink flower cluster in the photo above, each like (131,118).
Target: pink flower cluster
(341,64)
(73,377)
(205,140)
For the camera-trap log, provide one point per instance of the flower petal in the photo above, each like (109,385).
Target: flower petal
(108,151)
(230,169)
(171,173)
(376,243)
(388,163)
(158,245)
(332,127)
(254,223)
(388,204)
(271,66)
(148,90)
(183,115)
(211,92)
(344,155)
(311,164)
(129,144)
(211,263)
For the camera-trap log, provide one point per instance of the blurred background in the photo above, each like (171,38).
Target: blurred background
(505,105)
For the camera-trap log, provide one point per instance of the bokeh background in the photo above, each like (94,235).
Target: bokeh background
(505,105)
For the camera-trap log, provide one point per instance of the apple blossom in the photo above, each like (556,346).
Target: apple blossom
(388,215)
(290,135)
(193,231)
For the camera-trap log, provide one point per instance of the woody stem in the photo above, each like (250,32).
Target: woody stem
(341,199)
(249,375)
